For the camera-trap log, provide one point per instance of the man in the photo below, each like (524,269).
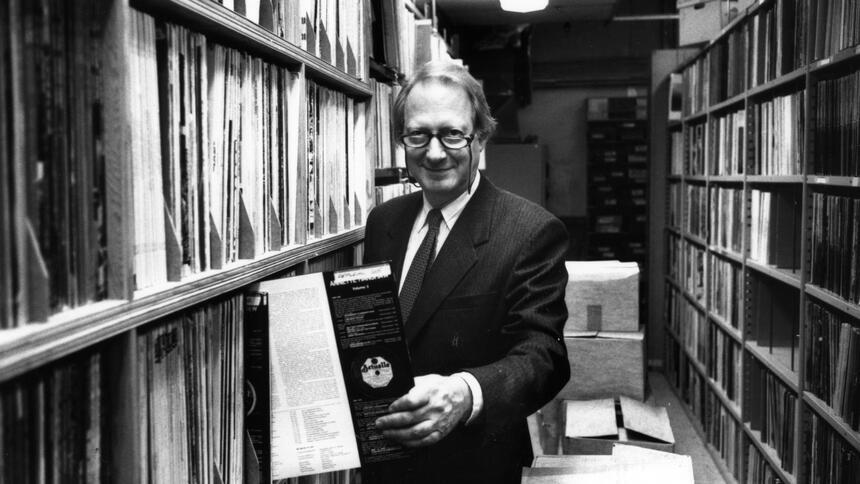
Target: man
(484,321)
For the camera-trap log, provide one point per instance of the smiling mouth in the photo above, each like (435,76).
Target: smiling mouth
(437,169)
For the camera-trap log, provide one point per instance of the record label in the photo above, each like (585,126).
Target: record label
(377,372)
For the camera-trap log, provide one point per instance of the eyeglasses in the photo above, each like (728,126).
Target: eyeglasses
(453,140)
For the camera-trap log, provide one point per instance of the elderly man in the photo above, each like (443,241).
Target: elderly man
(482,283)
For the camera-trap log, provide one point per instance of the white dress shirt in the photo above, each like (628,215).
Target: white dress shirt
(450,213)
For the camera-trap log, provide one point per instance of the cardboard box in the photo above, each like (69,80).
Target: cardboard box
(626,464)
(602,296)
(605,364)
(700,20)
(591,426)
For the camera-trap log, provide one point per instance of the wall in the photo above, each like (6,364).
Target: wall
(557,118)
(570,63)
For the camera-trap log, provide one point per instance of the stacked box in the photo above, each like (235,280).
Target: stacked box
(605,342)
(591,426)
(606,364)
(602,296)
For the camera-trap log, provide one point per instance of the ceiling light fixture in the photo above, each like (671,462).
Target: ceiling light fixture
(522,6)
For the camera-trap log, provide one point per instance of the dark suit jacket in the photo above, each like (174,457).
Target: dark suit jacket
(491,304)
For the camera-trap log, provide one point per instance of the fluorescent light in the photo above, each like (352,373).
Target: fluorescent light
(523,5)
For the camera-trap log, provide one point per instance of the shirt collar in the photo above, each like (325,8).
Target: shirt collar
(452,210)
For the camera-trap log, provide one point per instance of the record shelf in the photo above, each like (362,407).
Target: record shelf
(762,242)
(126,251)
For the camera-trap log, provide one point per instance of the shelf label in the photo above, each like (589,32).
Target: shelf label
(821,179)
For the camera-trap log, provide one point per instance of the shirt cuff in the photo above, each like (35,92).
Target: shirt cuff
(477,394)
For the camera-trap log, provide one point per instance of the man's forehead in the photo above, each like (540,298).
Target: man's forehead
(444,85)
(447,92)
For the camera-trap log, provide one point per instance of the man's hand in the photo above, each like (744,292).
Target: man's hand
(429,412)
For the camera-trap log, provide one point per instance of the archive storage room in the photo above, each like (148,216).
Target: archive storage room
(430,241)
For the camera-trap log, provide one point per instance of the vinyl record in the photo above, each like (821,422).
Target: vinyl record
(375,372)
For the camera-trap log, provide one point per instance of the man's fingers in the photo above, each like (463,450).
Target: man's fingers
(428,413)
(415,399)
(412,433)
(400,420)
(434,437)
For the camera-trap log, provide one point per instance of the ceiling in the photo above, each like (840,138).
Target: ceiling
(488,12)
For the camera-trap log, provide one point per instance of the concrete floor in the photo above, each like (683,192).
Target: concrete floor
(687,440)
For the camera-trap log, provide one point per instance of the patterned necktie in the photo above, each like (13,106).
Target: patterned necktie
(420,264)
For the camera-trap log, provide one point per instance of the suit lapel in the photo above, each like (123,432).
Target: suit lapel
(455,259)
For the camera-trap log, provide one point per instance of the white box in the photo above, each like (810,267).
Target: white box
(602,296)
(700,20)
(605,365)
(591,426)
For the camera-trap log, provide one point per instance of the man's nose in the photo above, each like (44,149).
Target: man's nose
(435,150)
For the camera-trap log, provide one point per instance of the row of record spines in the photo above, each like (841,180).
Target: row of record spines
(722,431)
(696,210)
(394,35)
(387,192)
(674,245)
(690,325)
(772,321)
(724,362)
(769,407)
(700,213)
(190,389)
(776,133)
(777,127)
(675,205)
(726,153)
(832,349)
(348,476)
(710,345)
(695,154)
(831,460)
(52,133)
(777,130)
(836,126)
(768,44)
(693,266)
(726,220)
(686,265)
(332,30)
(202,115)
(837,26)
(725,299)
(758,469)
(677,153)
(761,49)
(53,423)
(835,244)
(695,86)
(777,38)
(774,215)
(386,151)
(338,167)
(719,426)
(775,227)
(56,421)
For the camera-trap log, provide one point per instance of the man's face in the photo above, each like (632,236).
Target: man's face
(442,172)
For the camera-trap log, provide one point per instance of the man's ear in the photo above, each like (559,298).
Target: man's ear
(482,143)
